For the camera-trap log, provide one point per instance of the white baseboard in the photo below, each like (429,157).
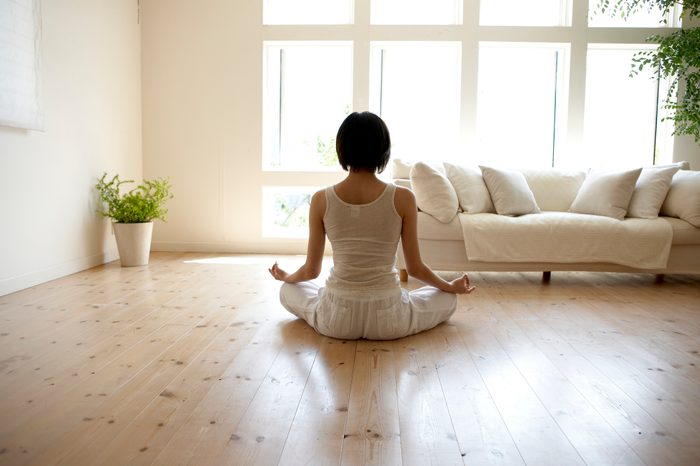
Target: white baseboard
(20,282)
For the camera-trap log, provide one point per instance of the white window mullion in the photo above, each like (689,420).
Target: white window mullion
(470,72)
(361,59)
(570,149)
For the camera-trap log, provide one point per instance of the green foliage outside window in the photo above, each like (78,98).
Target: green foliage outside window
(292,210)
(325,151)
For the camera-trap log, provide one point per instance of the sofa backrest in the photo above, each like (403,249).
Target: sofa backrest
(554,189)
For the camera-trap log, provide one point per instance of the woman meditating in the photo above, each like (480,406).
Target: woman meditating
(364,218)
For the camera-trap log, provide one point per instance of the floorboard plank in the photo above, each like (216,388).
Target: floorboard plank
(427,432)
(315,437)
(372,433)
(482,435)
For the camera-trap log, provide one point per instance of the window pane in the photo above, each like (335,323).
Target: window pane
(663,148)
(520,103)
(642,18)
(415,87)
(522,13)
(308,93)
(307,11)
(416,11)
(620,111)
(286,211)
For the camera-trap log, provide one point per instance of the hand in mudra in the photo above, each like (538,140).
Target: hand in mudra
(461,285)
(278,273)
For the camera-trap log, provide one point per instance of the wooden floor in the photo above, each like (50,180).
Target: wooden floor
(192,360)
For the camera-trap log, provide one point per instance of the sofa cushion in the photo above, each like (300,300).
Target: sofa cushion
(509,191)
(650,191)
(400,169)
(683,232)
(431,228)
(434,193)
(683,199)
(554,189)
(606,193)
(561,237)
(471,190)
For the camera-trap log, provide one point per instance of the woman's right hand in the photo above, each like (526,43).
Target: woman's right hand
(461,285)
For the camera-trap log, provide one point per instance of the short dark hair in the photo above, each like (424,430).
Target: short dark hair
(363,143)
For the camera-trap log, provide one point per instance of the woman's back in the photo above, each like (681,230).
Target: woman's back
(365,239)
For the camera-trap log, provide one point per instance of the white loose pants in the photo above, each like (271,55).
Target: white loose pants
(379,316)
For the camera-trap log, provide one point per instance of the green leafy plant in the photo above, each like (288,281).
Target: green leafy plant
(677,58)
(626,8)
(142,204)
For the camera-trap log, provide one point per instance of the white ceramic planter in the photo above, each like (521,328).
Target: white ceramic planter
(133,242)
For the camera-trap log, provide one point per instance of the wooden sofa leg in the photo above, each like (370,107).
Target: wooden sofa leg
(546,276)
(403,275)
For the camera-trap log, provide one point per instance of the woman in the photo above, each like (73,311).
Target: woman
(364,218)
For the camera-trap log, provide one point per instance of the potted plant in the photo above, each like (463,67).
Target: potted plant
(133,213)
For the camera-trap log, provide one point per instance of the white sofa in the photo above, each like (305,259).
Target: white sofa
(580,220)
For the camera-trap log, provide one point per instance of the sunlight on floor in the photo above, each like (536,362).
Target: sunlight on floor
(289,262)
(243,260)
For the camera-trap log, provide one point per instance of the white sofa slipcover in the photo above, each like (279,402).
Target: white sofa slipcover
(445,245)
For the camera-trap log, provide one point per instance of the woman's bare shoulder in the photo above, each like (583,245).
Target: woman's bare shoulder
(318,201)
(404,200)
(405,194)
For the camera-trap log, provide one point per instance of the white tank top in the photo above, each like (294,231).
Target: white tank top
(364,239)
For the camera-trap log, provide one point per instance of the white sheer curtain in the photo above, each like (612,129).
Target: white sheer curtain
(20,64)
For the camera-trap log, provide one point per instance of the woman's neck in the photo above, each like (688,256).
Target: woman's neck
(362,175)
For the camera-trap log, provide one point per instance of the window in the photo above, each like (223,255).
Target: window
(286,211)
(20,65)
(525,13)
(308,93)
(416,11)
(620,115)
(520,115)
(415,88)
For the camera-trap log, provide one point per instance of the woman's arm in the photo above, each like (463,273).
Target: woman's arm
(405,203)
(314,251)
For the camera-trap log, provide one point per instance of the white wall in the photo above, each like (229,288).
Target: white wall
(92,102)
